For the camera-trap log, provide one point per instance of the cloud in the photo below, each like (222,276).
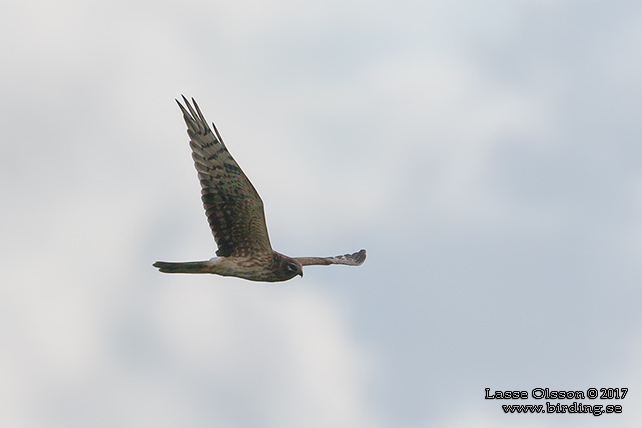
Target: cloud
(484,154)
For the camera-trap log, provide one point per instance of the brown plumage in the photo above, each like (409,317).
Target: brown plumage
(234,210)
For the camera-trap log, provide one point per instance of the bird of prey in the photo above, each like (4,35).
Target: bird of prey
(235,213)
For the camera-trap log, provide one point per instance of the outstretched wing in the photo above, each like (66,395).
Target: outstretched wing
(355,259)
(233,206)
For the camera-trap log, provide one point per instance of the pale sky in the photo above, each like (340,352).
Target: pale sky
(487,154)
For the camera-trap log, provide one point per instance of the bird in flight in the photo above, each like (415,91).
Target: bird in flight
(234,210)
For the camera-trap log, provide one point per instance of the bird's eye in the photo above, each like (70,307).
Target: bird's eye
(292,267)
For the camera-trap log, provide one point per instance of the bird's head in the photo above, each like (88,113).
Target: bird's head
(288,267)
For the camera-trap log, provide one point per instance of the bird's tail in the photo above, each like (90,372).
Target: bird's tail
(184,267)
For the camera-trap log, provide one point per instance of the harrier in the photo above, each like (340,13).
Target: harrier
(235,213)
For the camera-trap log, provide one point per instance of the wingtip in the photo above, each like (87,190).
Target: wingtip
(182,107)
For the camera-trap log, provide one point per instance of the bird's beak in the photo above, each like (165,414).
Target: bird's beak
(301,273)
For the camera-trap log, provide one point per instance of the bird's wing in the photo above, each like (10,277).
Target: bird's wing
(355,259)
(233,206)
